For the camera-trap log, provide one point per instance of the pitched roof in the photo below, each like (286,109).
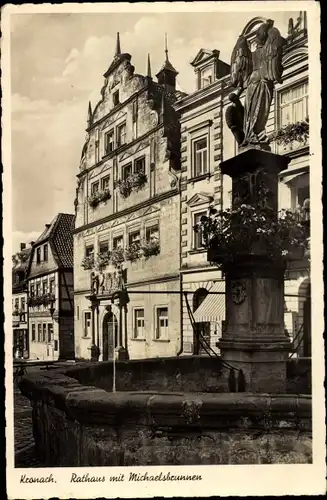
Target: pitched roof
(62,239)
(167,66)
(60,234)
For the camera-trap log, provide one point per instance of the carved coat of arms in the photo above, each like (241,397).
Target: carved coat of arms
(238,293)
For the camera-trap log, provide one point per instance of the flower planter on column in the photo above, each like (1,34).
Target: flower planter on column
(253,340)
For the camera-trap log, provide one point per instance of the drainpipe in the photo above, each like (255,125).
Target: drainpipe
(181,347)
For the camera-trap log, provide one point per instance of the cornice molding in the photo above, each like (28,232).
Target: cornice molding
(128,210)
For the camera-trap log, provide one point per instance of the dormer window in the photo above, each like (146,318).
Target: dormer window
(38,255)
(115,98)
(206,77)
(45,253)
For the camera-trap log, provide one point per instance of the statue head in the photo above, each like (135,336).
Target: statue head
(262,32)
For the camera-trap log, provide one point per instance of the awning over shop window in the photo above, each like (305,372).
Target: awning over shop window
(212,308)
(290,177)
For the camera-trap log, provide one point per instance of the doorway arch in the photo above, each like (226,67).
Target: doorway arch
(201,329)
(109,335)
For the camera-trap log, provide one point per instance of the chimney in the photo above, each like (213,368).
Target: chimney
(47,226)
(22,246)
(32,243)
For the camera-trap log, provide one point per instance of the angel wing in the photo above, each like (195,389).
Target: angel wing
(241,63)
(271,67)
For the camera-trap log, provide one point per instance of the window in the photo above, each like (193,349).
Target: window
(303,194)
(33,332)
(87,324)
(152,233)
(22,303)
(206,77)
(44,332)
(293,104)
(109,142)
(118,242)
(105,183)
(39,326)
(38,289)
(95,187)
(89,250)
(200,156)
(56,345)
(121,135)
(127,170)
(45,253)
(52,286)
(115,98)
(44,287)
(139,166)
(32,290)
(198,235)
(50,332)
(135,110)
(162,323)
(103,247)
(134,238)
(38,255)
(139,323)
(17,304)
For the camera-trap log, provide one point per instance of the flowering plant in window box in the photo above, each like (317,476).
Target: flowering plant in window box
(117,257)
(88,262)
(246,230)
(133,182)
(47,298)
(36,300)
(150,248)
(98,197)
(103,259)
(293,132)
(132,252)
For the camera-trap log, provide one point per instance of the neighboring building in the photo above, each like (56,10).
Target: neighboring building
(50,292)
(128,197)
(291,106)
(206,142)
(19,302)
(202,130)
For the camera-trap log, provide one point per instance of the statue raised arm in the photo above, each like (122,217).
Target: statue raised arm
(256,73)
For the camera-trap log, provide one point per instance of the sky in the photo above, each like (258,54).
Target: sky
(57,66)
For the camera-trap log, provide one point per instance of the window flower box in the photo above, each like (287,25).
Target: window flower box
(100,196)
(41,300)
(117,257)
(291,136)
(150,248)
(133,182)
(103,259)
(88,262)
(132,252)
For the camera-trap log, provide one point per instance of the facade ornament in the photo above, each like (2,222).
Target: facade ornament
(255,73)
(238,293)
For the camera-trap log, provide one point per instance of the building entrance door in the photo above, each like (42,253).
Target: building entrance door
(109,335)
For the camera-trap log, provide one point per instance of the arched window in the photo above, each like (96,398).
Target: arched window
(199,297)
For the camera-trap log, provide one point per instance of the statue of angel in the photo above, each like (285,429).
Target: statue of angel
(256,73)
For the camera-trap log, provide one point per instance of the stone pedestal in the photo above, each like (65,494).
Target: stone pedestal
(253,339)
